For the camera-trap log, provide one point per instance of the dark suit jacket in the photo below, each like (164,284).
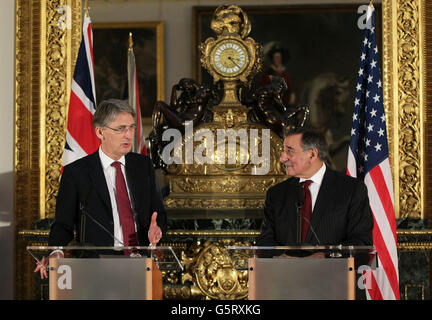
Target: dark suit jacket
(341,214)
(83,182)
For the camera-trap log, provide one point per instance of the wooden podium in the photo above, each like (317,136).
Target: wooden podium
(96,273)
(294,273)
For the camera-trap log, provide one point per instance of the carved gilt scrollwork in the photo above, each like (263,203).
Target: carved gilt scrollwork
(61,49)
(410,119)
(403,95)
(209,266)
(44,59)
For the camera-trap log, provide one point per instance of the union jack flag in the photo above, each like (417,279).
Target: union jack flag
(368,159)
(81,138)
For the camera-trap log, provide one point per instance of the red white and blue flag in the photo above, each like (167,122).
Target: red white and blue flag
(81,138)
(133,99)
(368,159)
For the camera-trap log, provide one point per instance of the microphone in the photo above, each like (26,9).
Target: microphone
(85,214)
(101,226)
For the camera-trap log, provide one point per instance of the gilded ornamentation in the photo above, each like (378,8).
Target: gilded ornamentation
(43,68)
(410,119)
(415,287)
(215,203)
(230,19)
(58,83)
(231,57)
(223,184)
(229,184)
(27,174)
(210,267)
(230,177)
(403,38)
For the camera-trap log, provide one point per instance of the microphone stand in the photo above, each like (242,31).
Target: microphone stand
(299,205)
(82,224)
(82,206)
(299,221)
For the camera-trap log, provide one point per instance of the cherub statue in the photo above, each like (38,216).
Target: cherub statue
(267,107)
(191,105)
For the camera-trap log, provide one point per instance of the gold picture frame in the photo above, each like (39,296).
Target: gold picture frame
(110,45)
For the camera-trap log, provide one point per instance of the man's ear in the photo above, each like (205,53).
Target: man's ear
(314,153)
(99,133)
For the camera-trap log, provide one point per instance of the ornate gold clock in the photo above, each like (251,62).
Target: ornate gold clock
(231,57)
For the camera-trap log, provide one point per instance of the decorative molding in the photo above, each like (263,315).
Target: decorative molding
(61,50)
(234,203)
(403,41)
(44,58)
(426,66)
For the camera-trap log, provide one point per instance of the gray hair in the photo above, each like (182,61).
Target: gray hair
(311,139)
(108,110)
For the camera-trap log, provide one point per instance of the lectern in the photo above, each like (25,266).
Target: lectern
(305,272)
(101,273)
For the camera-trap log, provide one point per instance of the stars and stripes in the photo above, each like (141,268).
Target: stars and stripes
(81,138)
(368,159)
(133,99)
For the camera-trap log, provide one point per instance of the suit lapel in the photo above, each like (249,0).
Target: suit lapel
(291,210)
(97,176)
(324,195)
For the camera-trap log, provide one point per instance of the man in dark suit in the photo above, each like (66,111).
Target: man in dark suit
(110,197)
(339,211)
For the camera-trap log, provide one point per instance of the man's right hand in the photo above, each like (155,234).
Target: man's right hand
(42,266)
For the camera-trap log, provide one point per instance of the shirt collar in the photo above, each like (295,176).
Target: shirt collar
(107,161)
(318,176)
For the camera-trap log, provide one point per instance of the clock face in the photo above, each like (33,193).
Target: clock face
(229,58)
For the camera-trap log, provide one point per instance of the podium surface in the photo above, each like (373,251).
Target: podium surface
(303,272)
(100,273)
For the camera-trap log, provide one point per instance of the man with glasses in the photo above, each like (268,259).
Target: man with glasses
(110,197)
(334,208)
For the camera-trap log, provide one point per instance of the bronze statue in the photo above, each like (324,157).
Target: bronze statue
(266,107)
(191,105)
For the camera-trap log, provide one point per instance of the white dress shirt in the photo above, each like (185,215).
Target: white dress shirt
(316,183)
(110,176)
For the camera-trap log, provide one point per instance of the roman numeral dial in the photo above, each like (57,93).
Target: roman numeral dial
(229,58)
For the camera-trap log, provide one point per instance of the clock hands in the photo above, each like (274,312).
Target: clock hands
(234,61)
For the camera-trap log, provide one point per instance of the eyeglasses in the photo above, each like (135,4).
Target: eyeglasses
(123,129)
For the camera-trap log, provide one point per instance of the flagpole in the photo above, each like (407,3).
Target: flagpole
(130,71)
(86,8)
(130,41)
(131,91)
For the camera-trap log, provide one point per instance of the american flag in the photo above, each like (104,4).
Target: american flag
(133,99)
(368,159)
(81,138)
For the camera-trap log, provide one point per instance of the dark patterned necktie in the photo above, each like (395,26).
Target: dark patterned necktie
(124,208)
(306,210)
